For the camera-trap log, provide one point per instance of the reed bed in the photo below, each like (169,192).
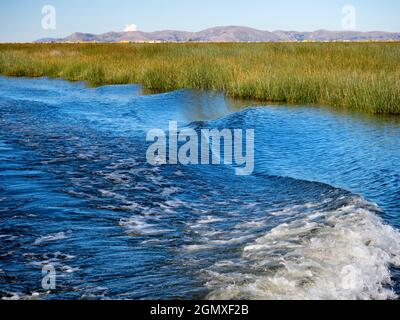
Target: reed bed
(356,76)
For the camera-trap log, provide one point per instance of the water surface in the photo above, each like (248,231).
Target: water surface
(318,219)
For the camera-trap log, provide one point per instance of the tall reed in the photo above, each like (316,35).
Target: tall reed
(357,76)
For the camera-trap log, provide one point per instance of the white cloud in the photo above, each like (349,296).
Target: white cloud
(130,28)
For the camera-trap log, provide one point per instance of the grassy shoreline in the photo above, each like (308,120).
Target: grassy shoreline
(356,76)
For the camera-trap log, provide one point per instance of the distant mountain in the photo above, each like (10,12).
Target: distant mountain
(234,34)
(228,34)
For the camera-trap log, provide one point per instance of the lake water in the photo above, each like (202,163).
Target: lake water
(318,219)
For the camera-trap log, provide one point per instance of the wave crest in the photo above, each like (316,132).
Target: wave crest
(339,254)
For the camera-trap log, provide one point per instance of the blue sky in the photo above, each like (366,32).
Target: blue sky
(20,20)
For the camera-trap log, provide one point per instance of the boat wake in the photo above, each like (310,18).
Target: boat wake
(344,253)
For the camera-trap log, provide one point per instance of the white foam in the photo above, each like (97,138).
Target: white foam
(51,237)
(197,247)
(344,254)
(14,296)
(140,226)
(69,269)
(209,219)
(168,191)
(110,194)
(217,243)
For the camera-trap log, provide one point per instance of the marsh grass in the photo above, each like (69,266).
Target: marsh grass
(357,76)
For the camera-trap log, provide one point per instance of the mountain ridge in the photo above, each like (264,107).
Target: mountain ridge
(227,34)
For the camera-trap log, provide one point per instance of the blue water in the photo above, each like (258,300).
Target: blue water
(318,219)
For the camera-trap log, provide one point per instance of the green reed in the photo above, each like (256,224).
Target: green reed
(357,76)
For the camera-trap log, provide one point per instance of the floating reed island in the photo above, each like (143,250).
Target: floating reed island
(355,76)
